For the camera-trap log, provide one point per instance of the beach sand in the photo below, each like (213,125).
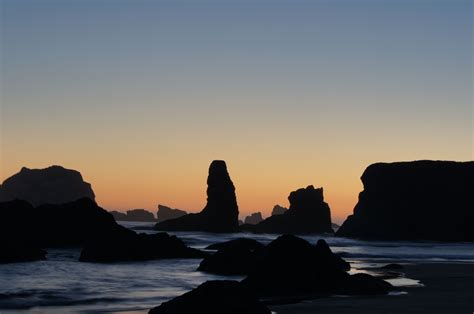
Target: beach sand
(448,288)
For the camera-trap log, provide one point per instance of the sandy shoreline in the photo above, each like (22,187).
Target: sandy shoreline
(448,288)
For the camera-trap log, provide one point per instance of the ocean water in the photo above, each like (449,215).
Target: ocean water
(61,284)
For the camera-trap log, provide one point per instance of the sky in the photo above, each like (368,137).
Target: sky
(140,96)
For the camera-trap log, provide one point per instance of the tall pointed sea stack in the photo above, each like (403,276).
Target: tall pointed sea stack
(221,212)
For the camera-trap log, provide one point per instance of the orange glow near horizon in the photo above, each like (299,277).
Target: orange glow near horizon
(185,187)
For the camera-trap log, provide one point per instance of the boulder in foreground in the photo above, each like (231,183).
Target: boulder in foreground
(236,257)
(214,297)
(292,267)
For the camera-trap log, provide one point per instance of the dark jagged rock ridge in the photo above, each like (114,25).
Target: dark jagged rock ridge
(292,267)
(214,297)
(308,213)
(235,257)
(278,210)
(166,213)
(134,215)
(419,200)
(254,218)
(126,245)
(53,185)
(80,224)
(251,244)
(221,212)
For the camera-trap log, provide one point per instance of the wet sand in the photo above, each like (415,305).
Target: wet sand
(448,288)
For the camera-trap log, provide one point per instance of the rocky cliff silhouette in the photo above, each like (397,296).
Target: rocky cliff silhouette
(52,185)
(419,200)
(221,212)
(25,229)
(308,213)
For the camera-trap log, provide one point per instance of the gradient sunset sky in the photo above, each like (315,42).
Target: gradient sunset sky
(140,96)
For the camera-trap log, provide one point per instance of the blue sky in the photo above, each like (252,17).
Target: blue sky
(311,85)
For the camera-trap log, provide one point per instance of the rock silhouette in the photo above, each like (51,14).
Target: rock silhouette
(15,253)
(126,245)
(308,213)
(278,210)
(250,244)
(134,215)
(254,218)
(221,212)
(235,257)
(292,267)
(24,228)
(166,213)
(214,297)
(53,185)
(16,245)
(419,200)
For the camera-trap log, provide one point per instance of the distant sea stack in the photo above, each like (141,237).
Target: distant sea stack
(278,210)
(221,212)
(141,215)
(308,214)
(254,218)
(167,213)
(53,185)
(419,200)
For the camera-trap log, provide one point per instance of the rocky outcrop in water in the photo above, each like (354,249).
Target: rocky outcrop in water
(141,215)
(214,297)
(235,257)
(82,223)
(308,213)
(166,213)
(419,200)
(292,267)
(126,245)
(278,210)
(16,244)
(53,185)
(221,212)
(253,218)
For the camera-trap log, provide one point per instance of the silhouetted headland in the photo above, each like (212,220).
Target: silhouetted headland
(253,218)
(134,215)
(419,200)
(81,223)
(167,213)
(308,213)
(221,212)
(52,185)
